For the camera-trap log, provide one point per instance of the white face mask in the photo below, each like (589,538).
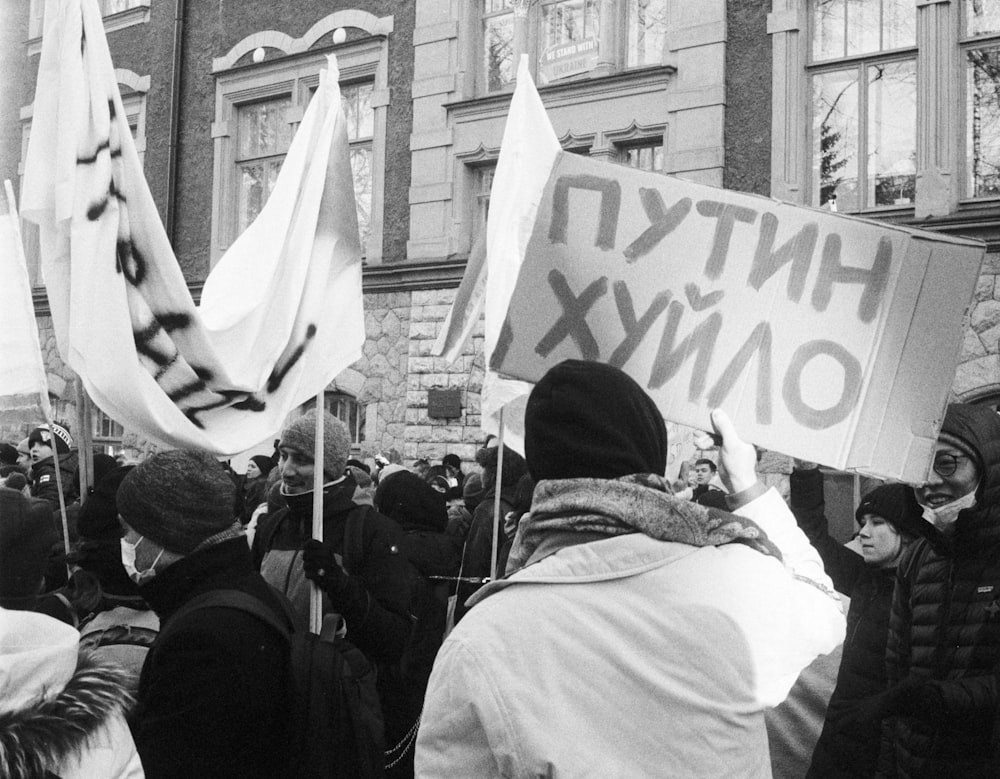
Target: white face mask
(128,562)
(944,516)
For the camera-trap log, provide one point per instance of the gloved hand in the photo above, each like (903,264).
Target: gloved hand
(908,697)
(320,565)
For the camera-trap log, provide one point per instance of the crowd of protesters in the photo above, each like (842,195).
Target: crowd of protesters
(570,612)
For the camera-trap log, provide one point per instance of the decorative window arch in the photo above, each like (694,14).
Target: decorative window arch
(263,99)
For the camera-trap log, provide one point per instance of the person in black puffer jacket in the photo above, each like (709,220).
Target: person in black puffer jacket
(944,631)
(890,522)
(422,513)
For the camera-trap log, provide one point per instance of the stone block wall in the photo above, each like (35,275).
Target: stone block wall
(978,374)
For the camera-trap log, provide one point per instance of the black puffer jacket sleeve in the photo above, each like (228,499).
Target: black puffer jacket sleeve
(808,504)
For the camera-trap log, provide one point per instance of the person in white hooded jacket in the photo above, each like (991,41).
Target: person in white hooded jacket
(62,713)
(636,634)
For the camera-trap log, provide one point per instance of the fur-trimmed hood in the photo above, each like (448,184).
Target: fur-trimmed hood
(53,698)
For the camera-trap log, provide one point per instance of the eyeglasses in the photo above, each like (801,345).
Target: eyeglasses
(946,464)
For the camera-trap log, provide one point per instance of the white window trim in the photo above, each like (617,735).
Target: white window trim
(297,68)
(613,56)
(119,21)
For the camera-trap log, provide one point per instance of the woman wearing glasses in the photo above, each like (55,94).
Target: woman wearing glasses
(943,652)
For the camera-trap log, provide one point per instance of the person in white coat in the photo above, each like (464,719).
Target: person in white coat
(635,634)
(62,713)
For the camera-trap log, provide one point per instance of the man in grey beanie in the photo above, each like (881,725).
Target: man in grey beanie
(371,602)
(212,697)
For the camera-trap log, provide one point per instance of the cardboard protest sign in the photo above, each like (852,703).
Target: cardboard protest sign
(825,337)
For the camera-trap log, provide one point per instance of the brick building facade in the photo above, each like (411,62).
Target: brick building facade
(722,93)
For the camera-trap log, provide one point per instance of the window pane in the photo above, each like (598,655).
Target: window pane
(569,39)
(361,166)
(828,18)
(835,139)
(357,100)
(899,24)
(982,151)
(892,133)
(862,29)
(647,26)
(649,158)
(263,128)
(117,6)
(843,28)
(981,16)
(498,51)
(483,187)
(255,183)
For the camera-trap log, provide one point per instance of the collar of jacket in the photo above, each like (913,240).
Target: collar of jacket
(336,498)
(604,559)
(216,567)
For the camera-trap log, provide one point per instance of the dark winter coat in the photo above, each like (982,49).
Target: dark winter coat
(376,603)
(213,691)
(43,479)
(26,537)
(422,514)
(479,546)
(862,673)
(945,632)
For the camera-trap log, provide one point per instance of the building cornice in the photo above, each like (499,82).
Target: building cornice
(392,277)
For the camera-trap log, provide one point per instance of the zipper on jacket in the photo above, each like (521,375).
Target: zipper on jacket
(940,667)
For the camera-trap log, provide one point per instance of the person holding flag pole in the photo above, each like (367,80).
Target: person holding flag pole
(22,372)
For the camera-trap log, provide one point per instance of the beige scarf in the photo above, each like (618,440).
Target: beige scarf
(572,511)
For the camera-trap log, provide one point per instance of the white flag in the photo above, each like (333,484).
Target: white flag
(527,153)
(281,314)
(22,373)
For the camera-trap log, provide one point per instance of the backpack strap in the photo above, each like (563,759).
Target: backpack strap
(233,599)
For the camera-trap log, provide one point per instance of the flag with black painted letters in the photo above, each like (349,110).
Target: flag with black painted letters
(280,314)
(22,374)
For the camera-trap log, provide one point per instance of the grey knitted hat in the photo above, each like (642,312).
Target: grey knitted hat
(178,499)
(300,435)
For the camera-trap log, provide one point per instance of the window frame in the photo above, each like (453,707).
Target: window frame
(859,63)
(966,42)
(612,36)
(134,91)
(138,13)
(291,66)
(942,181)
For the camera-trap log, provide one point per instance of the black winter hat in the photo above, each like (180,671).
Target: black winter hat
(588,419)
(178,499)
(8,454)
(412,502)
(57,436)
(896,504)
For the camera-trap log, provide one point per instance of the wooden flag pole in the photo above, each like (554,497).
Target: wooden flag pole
(85,439)
(315,593)
(59,486)
(497,519)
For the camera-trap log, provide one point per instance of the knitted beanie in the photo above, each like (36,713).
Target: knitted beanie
(588,419)
(58,437)
(178,499)
(300,435)
(264,463)
(896,504)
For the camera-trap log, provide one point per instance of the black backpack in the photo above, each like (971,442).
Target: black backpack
(336,726)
